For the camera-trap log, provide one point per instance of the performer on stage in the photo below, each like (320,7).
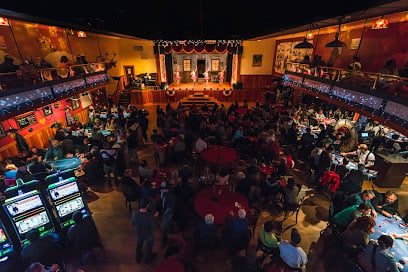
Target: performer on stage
(205,74)
(193,76)
(221,76)
(177,77)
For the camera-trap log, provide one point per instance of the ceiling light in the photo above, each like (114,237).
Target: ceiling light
(81,34)
(336,42)
(304,45)
(310,36)
(4,21)
(381,23)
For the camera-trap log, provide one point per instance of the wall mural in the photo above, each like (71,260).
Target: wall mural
(286,52)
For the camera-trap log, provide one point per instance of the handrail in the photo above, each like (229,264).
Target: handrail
(27,76)
(393,84)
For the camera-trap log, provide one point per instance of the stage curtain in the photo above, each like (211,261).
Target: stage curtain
(207,48)
(169,68)
(229,66)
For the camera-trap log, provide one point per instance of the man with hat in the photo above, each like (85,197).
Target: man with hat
(365,156)
(291,253)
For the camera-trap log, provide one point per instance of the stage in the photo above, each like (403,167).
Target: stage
(200,86)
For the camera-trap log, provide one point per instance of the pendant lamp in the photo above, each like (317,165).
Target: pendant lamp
(304,45)
(336,42)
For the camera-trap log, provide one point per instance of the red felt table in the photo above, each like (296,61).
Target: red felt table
(206,203)
(241,110)
(219,154)
(267,170)
(170,265)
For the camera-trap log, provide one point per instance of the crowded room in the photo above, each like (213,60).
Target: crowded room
(249,138)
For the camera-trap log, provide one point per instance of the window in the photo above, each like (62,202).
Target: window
(186,65)
(215,65)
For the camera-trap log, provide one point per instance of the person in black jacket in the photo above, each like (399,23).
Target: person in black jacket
(386,203)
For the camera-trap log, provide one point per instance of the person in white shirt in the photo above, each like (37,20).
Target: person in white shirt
(290,252)
(200,145)
(320,116)
(365,156)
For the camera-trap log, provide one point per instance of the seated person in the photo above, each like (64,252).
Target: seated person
(358,198)
(38,267)
(129,187)
(268,238)
(237,231)
(378,255)
(343,218)
(386,204)
(83,235)
(38,166)
(9,165)
(291,195)
(291,253)
(357,235)
(206,234)
(222,178)
(41,249)
(36,151)
(93,169)
(54,152)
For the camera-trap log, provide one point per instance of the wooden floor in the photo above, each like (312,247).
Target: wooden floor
(200,86)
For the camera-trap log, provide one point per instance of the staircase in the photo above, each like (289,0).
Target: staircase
(125,98)
(198,99)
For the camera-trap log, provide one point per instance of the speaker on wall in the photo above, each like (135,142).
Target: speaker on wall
(156,50)
(240,50)
(161,50)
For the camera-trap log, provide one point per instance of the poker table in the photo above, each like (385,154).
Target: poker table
(106,132)
(388,226)
(219,201)
(219,154)
(267,170)
(302,130)
(170,265)
(337,158)
(401,138)
(66,163)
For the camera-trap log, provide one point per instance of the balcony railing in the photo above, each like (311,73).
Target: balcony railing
(394,85)
(26,77)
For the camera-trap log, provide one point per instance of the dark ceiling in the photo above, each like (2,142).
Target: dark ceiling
(199,19)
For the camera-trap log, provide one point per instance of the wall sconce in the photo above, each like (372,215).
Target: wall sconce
(81,34)
(4,21)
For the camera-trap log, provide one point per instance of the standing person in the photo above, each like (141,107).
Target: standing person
(142,220)
(109,156)
(144,122)
(132,141)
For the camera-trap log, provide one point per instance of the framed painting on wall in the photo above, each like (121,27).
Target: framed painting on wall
(47,110)
(74,103)
(26,120)
(256,60)
(2,131)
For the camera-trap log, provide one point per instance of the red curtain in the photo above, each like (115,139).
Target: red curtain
(208,48)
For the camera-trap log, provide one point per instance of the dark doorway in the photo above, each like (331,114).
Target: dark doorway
(200,68)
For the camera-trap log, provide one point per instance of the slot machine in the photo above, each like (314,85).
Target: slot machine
(65,198)
(25,207)
(6,245)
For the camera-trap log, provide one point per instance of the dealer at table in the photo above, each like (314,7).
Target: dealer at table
(365,156)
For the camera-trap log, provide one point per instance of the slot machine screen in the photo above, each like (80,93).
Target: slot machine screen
(64,190)
(70,207)
(6,246)
(27,212)
(66,199)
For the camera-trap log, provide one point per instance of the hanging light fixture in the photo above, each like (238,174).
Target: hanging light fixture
(310,36)
(381,23)
(305,44)
(336,43)
(81,34)
(4,21)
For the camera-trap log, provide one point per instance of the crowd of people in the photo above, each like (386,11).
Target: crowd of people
(268,135)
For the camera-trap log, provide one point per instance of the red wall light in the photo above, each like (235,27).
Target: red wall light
(81,34)
(381,23)
(4,21)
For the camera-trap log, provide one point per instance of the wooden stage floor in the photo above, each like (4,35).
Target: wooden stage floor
(200,86)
